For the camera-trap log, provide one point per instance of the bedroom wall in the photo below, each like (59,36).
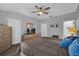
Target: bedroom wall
(5,15)
(59,21)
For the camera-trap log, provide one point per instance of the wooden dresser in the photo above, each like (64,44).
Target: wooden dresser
(5,38)
(29,37)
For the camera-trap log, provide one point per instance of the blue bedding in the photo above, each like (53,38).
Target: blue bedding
(64,43)
(74,48)
(72,44)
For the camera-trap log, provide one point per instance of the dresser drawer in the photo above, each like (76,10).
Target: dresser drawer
(0,45)
(0,34)
(6,40)
(1,29)
(6,43)
(7,33)
(7,29)
(0,41)
(30,37)
(1,49)
(6,36)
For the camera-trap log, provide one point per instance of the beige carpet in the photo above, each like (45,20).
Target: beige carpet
(11,51)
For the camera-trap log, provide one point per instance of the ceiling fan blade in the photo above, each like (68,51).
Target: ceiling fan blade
(33,11)
(38,14)
(47,8)
(37,7)
(45,12)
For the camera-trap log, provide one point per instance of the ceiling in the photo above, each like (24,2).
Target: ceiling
(26,8)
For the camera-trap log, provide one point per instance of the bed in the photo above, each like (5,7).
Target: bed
(40,47)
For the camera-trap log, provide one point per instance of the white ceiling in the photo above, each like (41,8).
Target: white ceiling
(26,8)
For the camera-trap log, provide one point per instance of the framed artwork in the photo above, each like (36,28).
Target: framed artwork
(54,25)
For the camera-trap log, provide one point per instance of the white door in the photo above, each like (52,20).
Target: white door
(68,24)
(16,30)
(44,30)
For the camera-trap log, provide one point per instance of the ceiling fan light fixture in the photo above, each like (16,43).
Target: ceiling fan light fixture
(40,12)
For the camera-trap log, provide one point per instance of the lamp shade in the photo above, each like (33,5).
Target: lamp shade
(72,30)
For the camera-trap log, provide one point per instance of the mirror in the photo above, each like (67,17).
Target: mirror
(29,25)
(30,28)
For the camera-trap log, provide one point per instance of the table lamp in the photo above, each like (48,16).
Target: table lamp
(72,31)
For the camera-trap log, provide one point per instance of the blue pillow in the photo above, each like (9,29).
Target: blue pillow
(65,42)
(74,37)
(74,48)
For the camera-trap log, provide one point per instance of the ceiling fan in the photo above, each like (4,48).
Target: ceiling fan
(41,10)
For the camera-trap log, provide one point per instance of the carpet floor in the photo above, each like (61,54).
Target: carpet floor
(11,51)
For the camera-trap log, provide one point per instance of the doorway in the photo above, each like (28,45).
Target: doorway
(44,30)
(16,30)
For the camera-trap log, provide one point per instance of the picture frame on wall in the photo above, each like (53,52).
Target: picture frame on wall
(54,25)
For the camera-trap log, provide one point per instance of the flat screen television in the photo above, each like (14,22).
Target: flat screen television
(32,31)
